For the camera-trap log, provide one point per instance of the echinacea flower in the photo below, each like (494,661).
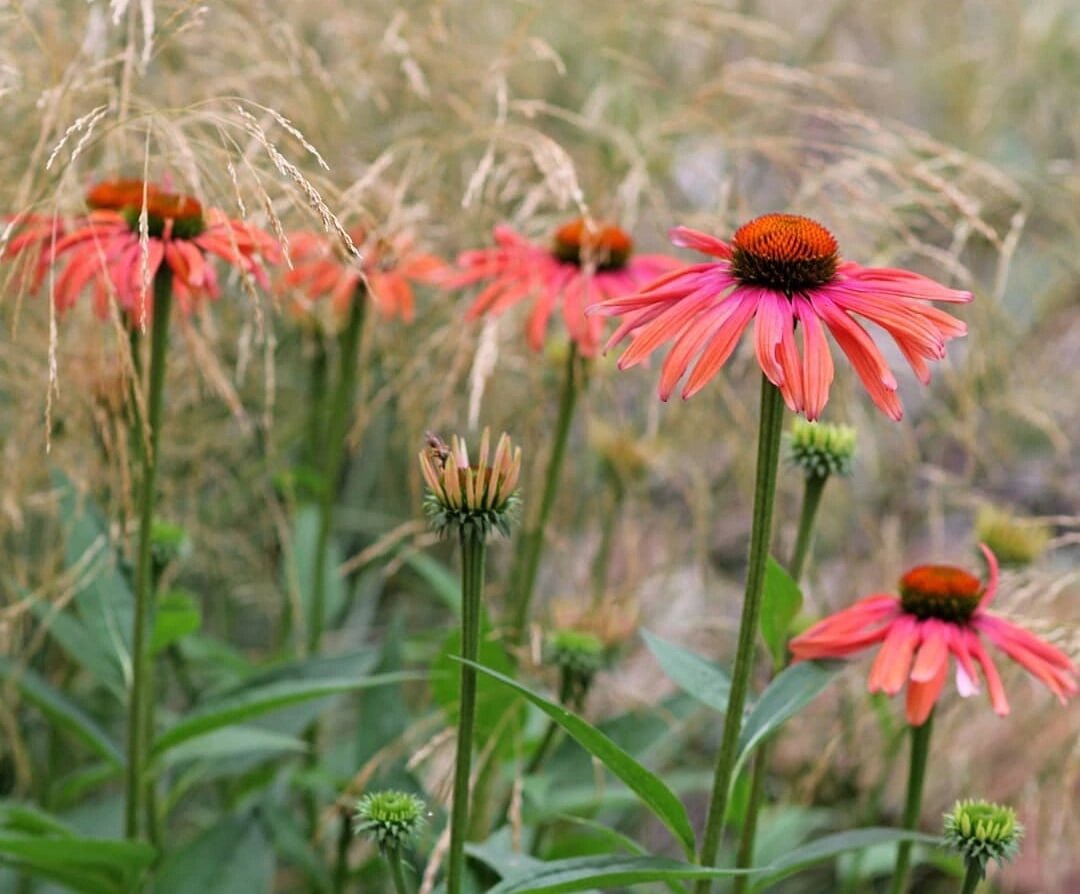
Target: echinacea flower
(981,831)
(28,239)
(390,818)
(472,498)
(584,264)
(785,273)
(941,610)
(104,249)
(390,266)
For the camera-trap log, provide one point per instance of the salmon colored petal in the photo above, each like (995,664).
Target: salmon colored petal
(922,696)
(893,662)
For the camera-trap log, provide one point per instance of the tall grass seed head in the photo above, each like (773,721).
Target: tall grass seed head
(821,449)
(391,818)
(475,499)
(982,831)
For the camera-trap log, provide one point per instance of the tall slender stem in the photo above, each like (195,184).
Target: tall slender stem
(920,751)
(336,430)
(472,588)
(972,877)
(814,488)
(770,424)
(393,859)
(140,717)
(602,563)
(532,542)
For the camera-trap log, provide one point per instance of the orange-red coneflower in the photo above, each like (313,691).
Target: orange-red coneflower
(781,270)
(583,264)
(390,266)
(941,610)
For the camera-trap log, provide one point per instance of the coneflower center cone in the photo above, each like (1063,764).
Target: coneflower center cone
(785,252)
(940,591)
(606,246)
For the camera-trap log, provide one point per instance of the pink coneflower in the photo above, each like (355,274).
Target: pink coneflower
(584,264)
(780,270)
(940,610)
(390,267)
(103,249)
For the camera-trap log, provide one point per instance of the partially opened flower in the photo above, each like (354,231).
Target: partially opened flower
(784,273)
(322,272)
(583,264)
(941,611)
(105,251)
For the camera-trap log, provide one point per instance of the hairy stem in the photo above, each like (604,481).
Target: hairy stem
(532,542)
(920,751)
(972,878)
(472,588)
(770,424)
(140,708)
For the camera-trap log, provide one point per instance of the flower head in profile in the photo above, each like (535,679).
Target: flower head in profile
(584,263)
(940,611)
(474,499)
(322,273)
(784,273)
(981,831)
(133,230)
(391,819)
(820,449)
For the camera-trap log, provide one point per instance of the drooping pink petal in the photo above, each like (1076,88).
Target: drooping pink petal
(893,662)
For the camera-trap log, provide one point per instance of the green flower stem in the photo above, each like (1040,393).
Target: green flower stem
(602,564)
(393,860)
(770,425)
(140,710)
(337,428)
(971,879)
(316,402)
(920,751)
(815,487)
(532,542)
(472,588)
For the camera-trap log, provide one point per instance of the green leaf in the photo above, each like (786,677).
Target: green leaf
(700,678)
(232,741)
(232,857)
(649,787)
(305,536)
(442,581)
(64,713)
(82,647)
(789,692)
(290,840)
(91,865)
(254,702)
(604,872)
(830,846)
(177,616)
(781,602)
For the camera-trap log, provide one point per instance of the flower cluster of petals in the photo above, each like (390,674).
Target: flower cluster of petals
(457,484)
(916,642)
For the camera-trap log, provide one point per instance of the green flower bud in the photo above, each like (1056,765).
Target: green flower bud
(820,449)
(391,818)
(1015,541)
(982,831)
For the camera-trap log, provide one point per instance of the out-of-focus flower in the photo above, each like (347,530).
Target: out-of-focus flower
(583,264)
(780,270)
(1016,541)
(820,449)
(474,499)
(321,272)
(105,251)
(941,610)
(981,831)
(584,638)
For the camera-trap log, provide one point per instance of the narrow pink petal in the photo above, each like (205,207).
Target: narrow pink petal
(992,581)
(893,662)
(723,341)
(818,364)
(993,681)
(922,696)
(933,655)
(769,333)
(967,677)
(671,323)
(685,237)
(1040,659)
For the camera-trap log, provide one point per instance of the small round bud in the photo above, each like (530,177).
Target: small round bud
(820,449)
(982,831)
(391,818)
(474,499)
(1015,541)
(576,652)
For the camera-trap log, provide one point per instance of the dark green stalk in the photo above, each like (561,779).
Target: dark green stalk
(316,403)
(602,564)
(393,860)
(972,878)
(140,716)
(337,428)
(532,543)
(814,488)
(341,859)
(920,751)
(472,588)
(770,425)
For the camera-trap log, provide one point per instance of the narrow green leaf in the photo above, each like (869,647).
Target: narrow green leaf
(789,692)
(254,702)
(233,857)
(781,602)
(305,536)
(96,865)
(232,741)
(693,674)
(648,786)
(64,713)
(605,872)
(82,647)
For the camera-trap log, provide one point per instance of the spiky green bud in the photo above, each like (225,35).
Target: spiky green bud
(982,831)
(1015,541)
(576,651)
(391,818)
(820,449)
